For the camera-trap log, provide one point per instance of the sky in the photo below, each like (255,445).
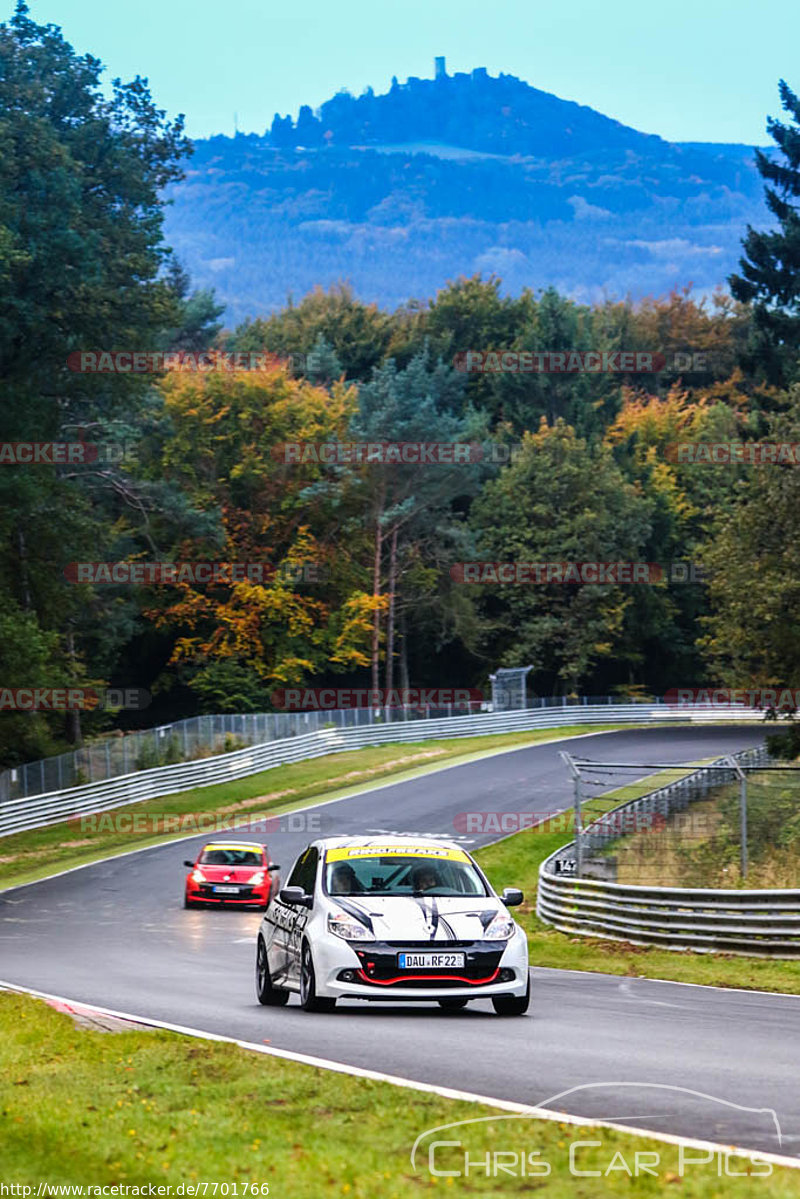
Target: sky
(692,70)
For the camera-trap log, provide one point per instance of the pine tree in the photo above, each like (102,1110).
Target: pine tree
(770,278)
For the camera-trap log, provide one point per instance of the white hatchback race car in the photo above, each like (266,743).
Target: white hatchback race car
(398,918)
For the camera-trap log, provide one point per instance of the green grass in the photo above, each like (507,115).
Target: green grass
(515,861)
(138,1108)
(25,857)
(701,847)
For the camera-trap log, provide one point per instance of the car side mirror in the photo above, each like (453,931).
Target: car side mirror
(272,866)
(295,897)
(512,897)
(189,864)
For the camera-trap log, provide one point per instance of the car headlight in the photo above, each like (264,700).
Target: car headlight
(500,929)
(197,876)
(344,926)
(257,879)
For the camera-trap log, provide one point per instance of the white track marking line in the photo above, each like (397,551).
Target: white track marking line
(305,1059)
(482,756)
(435,770)
(669,982)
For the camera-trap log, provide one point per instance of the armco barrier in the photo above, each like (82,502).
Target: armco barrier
(18,815)
(755,923)
(110,756)
(763,923)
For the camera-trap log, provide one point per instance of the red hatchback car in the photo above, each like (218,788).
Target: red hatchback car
(230,873)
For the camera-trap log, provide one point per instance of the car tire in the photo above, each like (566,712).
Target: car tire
(513,1005)
(452,1005)
(309,1000)
(268,995)
(187,903)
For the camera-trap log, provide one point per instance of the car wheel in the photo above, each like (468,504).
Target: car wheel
(452,1005)
(267,994)
(187,903)
(309,1000)
(513,1005)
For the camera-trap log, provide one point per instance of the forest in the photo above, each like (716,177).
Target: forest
(360,574)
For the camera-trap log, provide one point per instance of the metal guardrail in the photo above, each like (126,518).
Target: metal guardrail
(755,923)
(752,923)
(119,753)
(18,815)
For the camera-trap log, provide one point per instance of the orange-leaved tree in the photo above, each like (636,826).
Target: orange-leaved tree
(245,442)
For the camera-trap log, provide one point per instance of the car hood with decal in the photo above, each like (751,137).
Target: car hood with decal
(421,918)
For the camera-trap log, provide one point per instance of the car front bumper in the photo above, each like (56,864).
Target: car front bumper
(247,897)
(369,970)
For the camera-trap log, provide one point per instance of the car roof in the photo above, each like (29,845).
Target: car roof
(233,845)
(398,839)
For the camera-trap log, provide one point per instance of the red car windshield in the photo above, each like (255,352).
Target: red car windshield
(231,857)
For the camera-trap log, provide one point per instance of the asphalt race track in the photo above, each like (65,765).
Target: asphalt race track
(116,934)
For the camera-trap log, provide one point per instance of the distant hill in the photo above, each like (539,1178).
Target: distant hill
(445,177)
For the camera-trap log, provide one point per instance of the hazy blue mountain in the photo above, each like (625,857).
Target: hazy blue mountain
(439,178)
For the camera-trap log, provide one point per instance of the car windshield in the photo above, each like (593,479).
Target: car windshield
(407,874)
(231,857)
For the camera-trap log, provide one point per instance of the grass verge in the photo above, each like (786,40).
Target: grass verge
(515,861)
(26,857)
(701,847)
(137,1108)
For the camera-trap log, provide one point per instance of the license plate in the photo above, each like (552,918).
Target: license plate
(226,890)
(430,961)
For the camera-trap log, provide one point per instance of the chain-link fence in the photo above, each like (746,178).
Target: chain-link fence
(203,736)
(707,860)
(117,754)
(715,825)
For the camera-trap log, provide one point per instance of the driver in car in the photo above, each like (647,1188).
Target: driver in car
(425,878)
(344,880)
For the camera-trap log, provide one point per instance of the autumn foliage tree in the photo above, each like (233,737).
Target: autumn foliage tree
(234,439)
